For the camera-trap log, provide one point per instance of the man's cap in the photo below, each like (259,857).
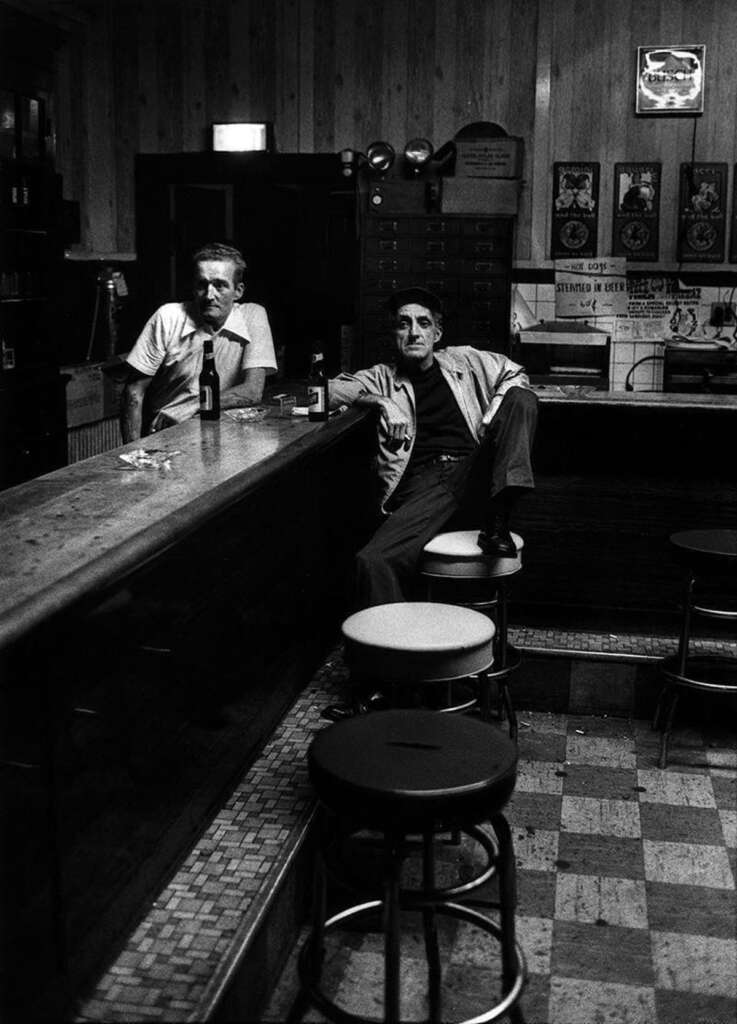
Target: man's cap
(420,296)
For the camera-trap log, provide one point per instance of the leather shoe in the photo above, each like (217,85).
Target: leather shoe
(497,542)
(339,712)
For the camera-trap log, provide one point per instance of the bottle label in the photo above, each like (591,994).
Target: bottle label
(206,403)
(316,398)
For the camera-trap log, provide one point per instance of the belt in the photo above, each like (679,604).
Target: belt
(447,458)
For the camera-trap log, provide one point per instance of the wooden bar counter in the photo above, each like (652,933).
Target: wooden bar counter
(155,624)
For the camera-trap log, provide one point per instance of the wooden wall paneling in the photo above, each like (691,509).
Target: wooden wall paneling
(101,219)
(148,141)
(613,110)
(395,58)
(347,31)
(195,123)
(512,93)
(217,45)
(421,72)
(468,54)
(324,94)
(306,93)
(263,54)
(445,118)
(367,46)
(124,29)
(170,65)
(537,172)
(674,134)
(244,62)
(286,76)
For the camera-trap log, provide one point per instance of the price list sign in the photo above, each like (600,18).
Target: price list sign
(575,215)
(636,220)
(702,213)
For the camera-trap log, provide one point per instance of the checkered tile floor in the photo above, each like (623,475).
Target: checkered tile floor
(626,888)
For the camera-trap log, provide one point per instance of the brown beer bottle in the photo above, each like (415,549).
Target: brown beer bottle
(209,385)
(317,387)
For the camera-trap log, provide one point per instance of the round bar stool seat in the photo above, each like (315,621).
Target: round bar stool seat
(456,569)
(704,555)
(458,554)
(418,643)
(402,773)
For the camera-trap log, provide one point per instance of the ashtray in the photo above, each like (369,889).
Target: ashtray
(250,414)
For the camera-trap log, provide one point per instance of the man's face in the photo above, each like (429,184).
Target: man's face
(416,333)
(215,290)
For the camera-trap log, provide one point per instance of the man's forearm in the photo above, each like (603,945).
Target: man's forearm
(131,416)
(250,392)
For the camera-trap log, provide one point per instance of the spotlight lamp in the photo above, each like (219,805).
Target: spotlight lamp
(380,157)
(417,153)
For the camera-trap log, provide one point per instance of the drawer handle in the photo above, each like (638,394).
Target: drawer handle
(387,245)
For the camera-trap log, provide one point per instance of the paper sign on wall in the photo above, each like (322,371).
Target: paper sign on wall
(590,287)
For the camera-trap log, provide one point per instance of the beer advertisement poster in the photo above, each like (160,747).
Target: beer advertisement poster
(670,79)
(636,220)
(702,213)
(733,233)
(575,217)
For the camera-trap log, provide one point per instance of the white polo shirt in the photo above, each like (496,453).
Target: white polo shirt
(169,349)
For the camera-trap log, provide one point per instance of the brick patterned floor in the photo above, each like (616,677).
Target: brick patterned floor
(626,881)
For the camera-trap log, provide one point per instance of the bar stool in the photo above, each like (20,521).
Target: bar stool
(705,555)
(456,569)
(412,645)
(399,774)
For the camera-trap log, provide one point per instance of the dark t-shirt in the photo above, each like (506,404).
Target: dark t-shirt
(441,427)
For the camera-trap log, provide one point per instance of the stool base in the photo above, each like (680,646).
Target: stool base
(310,962)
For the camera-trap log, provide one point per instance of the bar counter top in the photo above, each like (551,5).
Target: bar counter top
(553,393)
(72,534)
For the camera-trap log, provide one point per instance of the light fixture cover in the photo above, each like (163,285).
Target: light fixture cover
(242,137)
(380,157)
(417,152)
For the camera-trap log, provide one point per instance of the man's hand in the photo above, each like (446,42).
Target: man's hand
(396,425)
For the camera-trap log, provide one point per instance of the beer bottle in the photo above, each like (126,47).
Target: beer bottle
(317,387)
(209,385)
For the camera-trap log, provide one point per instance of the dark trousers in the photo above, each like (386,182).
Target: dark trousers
(446,494)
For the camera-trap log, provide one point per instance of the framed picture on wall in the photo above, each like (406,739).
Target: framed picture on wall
(636,219)
(702,213)
(670,79)
(575,214)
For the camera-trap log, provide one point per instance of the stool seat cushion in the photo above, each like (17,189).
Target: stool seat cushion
(457,553)
(417,641)
(413,767)
(706,549)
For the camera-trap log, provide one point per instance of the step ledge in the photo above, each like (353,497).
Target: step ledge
(163,973)
(626,647)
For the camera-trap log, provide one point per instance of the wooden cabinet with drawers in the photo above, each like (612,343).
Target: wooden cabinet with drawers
(465,259)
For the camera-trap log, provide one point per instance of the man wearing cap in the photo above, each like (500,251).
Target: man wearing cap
(455,430)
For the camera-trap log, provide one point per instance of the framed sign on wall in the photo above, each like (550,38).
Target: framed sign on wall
(636,220)
(670,79)
(575,214)
(702,215)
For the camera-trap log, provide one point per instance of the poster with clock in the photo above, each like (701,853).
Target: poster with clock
(636,220)
(702,214)
(575,216)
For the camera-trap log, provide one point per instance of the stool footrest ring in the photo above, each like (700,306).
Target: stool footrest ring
(311,980)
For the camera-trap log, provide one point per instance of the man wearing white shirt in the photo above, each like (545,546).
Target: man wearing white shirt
(164,364)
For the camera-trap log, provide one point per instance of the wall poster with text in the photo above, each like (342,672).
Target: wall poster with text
(702,215)
(575,216)
(636,220)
